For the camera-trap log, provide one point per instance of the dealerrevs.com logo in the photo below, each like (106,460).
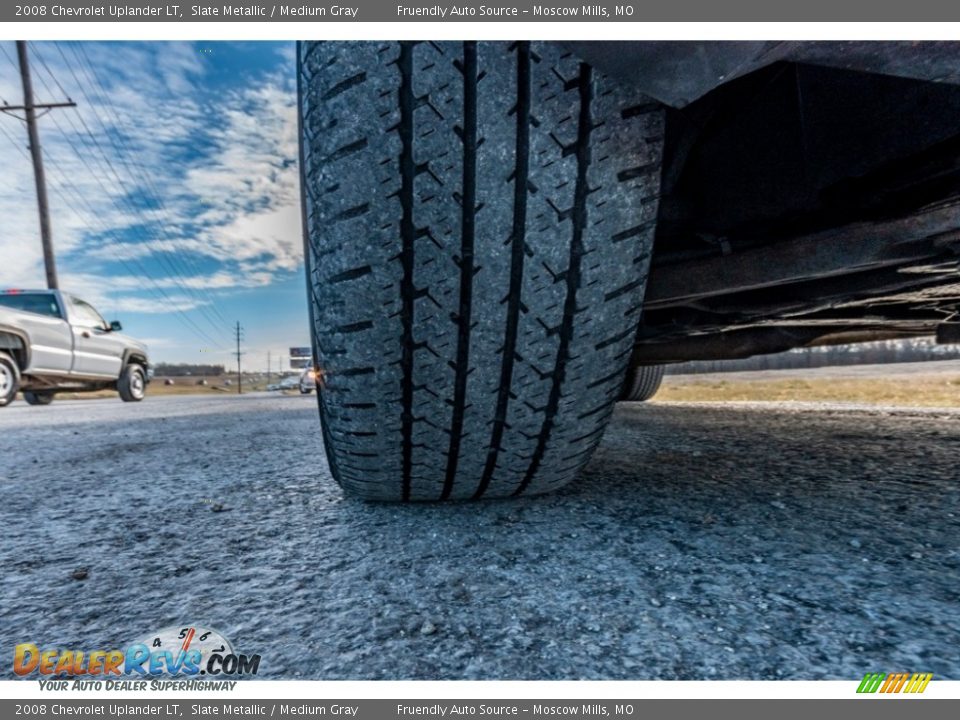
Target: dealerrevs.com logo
(178,651)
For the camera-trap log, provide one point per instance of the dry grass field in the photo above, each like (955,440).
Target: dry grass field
(934,384)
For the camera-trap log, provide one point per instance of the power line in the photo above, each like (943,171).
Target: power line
(140,270)
(120,240)
(102,178)
(63,186)
(43,63)
(9,59)
(14,142)
(60,188)
(129,158)
(202,299)
(93,174)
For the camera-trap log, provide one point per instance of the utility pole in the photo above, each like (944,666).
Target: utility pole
(268,367)
(238,331)
(30,110)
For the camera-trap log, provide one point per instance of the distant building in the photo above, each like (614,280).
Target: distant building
(184,370)
(301,358)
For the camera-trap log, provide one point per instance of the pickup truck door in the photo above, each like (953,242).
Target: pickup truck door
(96,351)
(51,344)
(42,318)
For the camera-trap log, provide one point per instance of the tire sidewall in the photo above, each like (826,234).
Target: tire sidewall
(643,382)
(9,379)
(38,398)
(133,384)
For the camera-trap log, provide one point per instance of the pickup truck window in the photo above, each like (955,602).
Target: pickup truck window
(39,303)
(85,315)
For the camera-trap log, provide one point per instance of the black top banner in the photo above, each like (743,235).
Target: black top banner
(472,11)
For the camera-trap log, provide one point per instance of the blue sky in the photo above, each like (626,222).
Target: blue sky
(173,190)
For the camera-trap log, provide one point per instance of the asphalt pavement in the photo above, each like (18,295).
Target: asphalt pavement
(702,542)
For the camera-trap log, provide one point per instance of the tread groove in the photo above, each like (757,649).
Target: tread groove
(408,290)
(351,274)
(517,255)
(584,85)
(344,85)
(468,211)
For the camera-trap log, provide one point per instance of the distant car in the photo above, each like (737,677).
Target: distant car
(308,381)
(51,341)
(273,387)
(289,383)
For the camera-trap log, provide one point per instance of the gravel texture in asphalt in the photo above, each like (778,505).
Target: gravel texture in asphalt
(702,542)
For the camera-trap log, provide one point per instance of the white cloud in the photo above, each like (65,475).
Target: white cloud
(221,162)
(125,294)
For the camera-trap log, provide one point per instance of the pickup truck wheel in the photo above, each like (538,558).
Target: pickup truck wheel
(38,398)
(642,382)
(479,221)
(9,379)
(132,384)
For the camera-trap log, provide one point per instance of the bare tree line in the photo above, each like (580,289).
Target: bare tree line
(184,369)
(875,353)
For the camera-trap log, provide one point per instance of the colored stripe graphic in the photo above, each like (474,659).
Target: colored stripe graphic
(890,683)
(871,682)
(894,682)
(918,683)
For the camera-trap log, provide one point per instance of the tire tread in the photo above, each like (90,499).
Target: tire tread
(479,223)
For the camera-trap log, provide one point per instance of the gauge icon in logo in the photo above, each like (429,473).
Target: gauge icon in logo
(179,649)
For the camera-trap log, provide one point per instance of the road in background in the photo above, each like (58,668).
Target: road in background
(703,541)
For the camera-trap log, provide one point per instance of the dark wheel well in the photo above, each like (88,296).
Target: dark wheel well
(134,359)
(15,346)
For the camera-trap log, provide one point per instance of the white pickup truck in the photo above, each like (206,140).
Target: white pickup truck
(51,341)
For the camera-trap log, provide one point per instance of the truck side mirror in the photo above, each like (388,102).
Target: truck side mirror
(115,326)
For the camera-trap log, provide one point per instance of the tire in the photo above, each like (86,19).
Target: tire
(642,382)
(305,391)
(132,384)
(9,379)
(479,220)
(37,398)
